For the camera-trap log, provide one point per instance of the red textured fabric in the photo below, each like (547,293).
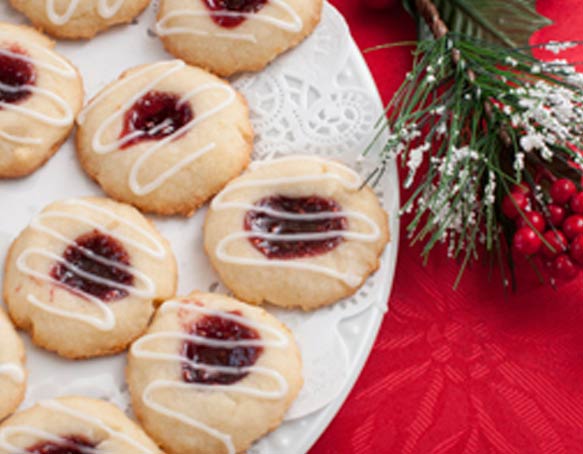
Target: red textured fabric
(473,371)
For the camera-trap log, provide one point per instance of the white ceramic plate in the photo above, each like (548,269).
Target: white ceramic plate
(319,98)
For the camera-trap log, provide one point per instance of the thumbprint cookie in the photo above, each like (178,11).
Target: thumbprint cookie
(165,137)
(295,232)
(79,19)
(12,372)
(73,425)
(40,95)
(84,276)
(212,375)
(230,36)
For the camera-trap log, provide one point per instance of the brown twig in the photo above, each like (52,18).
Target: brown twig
(431,16)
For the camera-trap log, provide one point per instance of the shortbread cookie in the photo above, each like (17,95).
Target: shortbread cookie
(165,137)
(84,277)
(40,95)
(79,19)
(212,375)
(12,371)
(228,37)
(73,425)
(295,232)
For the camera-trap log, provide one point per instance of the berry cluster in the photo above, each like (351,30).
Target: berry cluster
(557,235)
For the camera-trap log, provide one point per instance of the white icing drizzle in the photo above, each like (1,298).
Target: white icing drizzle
(43,435)
(354,183)
(54,64)
(106,10)
(139,350)
(103,149)
(151,247)
(24,140)
(14,371)
(294,25)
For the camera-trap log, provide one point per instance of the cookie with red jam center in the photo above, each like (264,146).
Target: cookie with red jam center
(73,425)
(79,19)
(40,94)
(232,36)
(212,374)
(299,231)
(165,137)
(91,268)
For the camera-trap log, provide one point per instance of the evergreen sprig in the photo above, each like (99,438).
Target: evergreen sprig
(471,121)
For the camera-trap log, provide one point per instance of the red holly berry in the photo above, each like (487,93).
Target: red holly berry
(577,203)
(556,215)
(526,241)
(564,268)
(557,240)
(573,226)
(535,218)
(576,249)
(562,190)
(514,202)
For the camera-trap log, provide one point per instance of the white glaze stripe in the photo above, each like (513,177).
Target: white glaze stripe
(25,140)
(101,148)
(277,340)
(42,435)
(151,247)
(14,371)
(105,8)
(58,66)
(294,25)
(373,234)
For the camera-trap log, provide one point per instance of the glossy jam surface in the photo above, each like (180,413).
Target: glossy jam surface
(95,253)
(257,221)
(219,328)
(154,116)
(69,445)
(233,6)
(15,73)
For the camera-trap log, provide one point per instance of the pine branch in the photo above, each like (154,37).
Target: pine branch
(483,118)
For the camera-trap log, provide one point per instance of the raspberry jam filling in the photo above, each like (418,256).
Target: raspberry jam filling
(233,6)
(69,445)
(15,73)
(257,221)
(219,328)
(155,115)
(101,247)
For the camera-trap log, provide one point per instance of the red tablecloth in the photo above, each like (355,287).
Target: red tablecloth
(475,371)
